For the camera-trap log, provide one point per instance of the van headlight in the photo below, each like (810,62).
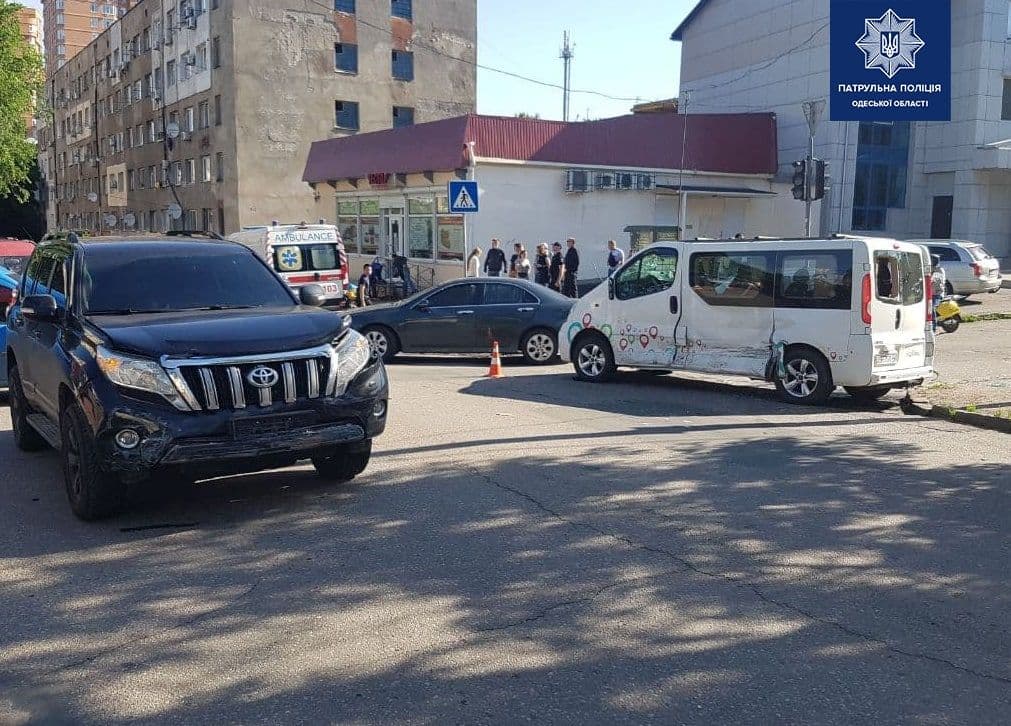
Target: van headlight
(140,374)
(353,354)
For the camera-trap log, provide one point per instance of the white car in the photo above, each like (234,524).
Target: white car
(969,268)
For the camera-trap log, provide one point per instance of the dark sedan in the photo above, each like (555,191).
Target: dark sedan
(467,316)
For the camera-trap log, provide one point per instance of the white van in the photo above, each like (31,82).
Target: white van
(302,254)
(808,315)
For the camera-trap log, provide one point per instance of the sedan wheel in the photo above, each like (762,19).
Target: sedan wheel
(539,347)
(381,343)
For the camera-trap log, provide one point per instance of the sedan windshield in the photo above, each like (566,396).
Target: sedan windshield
(121,280)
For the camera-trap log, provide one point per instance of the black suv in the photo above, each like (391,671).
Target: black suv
(182,357)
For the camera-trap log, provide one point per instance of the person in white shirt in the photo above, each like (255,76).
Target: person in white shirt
(474,263)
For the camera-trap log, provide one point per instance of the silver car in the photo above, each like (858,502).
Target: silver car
(969,268)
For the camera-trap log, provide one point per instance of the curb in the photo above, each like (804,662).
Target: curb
(977,420)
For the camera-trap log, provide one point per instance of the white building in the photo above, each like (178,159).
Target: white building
(939,179)
(544,181)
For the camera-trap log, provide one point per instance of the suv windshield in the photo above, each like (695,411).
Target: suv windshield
(124,279)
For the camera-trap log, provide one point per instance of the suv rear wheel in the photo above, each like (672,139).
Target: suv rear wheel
(26,438)
(93,493)
(344,464)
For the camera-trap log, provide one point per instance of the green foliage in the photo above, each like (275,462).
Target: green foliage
(21,80)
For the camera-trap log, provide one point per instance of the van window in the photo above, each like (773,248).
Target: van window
(733,279)
(821,280)
(306,258)
(899,278)
(911,268)
(886,275)
(647,274)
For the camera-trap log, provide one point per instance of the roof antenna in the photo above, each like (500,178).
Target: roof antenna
(566,56)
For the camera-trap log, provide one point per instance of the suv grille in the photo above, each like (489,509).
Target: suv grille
(218,387)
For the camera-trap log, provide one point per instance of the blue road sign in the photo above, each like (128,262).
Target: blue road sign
(463,197)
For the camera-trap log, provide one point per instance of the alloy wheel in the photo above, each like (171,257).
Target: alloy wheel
(378,342)
(540,347)
(801,379)
(592,360)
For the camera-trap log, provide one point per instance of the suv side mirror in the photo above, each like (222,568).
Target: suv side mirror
(41,308)
(311,295)
(610,288)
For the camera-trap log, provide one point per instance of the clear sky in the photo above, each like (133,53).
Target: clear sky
(622,49)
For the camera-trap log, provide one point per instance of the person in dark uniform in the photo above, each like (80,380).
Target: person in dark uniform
(555,279)
(494,261)
(542,265)
(365,287)
(570,274)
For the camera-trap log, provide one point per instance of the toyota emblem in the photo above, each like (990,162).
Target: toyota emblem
(263,377)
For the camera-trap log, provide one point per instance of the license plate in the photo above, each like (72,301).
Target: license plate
(330,288)
(253,426)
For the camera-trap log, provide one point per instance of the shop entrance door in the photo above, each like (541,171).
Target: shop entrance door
(393,232)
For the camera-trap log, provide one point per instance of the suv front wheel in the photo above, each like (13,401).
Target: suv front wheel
(93,493)
(345,463)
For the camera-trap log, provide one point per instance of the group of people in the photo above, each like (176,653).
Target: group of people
(551,268)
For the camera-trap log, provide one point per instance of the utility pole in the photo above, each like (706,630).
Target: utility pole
(682,201)
(812,112)
(566,56)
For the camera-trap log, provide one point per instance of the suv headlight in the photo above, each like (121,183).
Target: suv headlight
(140,374)
(353,354)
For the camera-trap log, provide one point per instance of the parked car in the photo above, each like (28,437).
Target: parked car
(806,315)
(467,316)
(137,357)
(970,269)
(8,294)
(14,254)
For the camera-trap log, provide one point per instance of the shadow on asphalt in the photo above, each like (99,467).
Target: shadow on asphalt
(725,581)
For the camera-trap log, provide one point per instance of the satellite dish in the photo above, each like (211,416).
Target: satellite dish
(110,220)
(92,197)
(175,211)
(172,130)
(129,219)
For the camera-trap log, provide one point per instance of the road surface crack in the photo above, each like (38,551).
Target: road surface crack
(687,565)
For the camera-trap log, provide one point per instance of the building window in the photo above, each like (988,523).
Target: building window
(345,57)
(216,53)
(403,65)
(880,181)
(346,115)
(204,114)
(217,110)
(191,171)
(1005,106)
(344,6)
(219,162)
(205,168)
(188,119)
(402,116)
(401,9)
(170,73)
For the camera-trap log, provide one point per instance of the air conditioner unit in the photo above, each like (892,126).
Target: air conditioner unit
(605,181)
(626,181)
(644,181)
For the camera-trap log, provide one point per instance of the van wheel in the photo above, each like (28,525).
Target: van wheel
(867,394)
(808,378)
(593,360)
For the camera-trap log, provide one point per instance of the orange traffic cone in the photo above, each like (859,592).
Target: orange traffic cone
(495,371)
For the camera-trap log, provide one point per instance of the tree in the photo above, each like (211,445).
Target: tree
(524,114)
(21,80)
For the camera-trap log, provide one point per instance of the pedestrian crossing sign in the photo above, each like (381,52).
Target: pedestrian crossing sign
(463,197)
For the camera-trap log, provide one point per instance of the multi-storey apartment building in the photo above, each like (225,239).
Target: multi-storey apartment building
(923,179)
(72,24)
(30,21)
(210,106)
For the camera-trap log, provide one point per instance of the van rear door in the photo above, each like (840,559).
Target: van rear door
(898,308)
(314,263)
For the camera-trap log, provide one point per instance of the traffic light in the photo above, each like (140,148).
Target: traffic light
(819,180)
(800,180)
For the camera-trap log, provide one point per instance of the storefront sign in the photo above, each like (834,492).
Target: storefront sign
(379,179)
(890,60)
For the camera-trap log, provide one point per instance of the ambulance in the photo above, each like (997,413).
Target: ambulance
(302,254)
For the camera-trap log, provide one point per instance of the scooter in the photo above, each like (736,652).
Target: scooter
(949,315)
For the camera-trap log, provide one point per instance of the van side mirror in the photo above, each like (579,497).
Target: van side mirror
(311,295)
(41,308)
(610,288)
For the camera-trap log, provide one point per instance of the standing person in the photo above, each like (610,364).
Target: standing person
(494,261)
(523,266)
(557,267)
(517,248)
(474,263)
(615,257)
(542,265)
(570,274)
(365,287)
(938,281)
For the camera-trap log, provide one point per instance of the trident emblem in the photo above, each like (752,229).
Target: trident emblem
(889,45)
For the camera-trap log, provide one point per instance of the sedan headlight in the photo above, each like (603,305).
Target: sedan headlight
(353,354)
(140,374)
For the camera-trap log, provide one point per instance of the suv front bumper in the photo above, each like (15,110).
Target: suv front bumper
(211,443)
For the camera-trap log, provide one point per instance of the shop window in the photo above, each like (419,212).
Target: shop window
(819,280)
(348,228)
(648,274)
(401,9)
(450,238)
(421,235)
(345,57)
(403,116)
(403,65)
(346,113)
(733,279)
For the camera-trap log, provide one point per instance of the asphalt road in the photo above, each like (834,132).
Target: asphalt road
(536,550)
